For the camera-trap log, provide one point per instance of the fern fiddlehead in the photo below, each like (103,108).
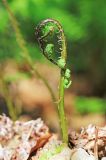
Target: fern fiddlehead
(51,38)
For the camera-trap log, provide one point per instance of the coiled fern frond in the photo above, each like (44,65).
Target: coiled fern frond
(51,38)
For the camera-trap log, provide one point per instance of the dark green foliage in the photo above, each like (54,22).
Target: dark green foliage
(85,105)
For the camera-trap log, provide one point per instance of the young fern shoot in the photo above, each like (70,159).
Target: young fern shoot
(51,38)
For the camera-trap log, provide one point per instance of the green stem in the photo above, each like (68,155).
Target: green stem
(63,121)
(61,112)
(11,108)
(47,85)
(25,52)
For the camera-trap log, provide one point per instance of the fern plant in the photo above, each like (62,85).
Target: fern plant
(51,38)
(25,52)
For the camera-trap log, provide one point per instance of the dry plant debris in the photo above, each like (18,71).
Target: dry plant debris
(18,140)
(92,139)
(32,141)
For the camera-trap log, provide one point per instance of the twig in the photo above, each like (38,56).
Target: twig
(96,144)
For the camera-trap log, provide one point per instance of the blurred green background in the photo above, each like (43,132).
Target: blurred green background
(84,23)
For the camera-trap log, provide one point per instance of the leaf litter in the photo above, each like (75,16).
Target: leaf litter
(92,139)
(32,140)
(19,139)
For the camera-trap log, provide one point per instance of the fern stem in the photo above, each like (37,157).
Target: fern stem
(10,106)
(62,117)
(25,52)
(61,106)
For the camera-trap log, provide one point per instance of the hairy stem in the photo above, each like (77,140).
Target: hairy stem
(25,52)
(62,117)
(47,85)
(63,121)
(10,106)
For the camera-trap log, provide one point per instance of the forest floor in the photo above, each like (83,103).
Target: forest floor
(32,140)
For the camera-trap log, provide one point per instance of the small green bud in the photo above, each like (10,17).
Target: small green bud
(67,83)
(61,63)
(49,50)
(47,29)
(67,73)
